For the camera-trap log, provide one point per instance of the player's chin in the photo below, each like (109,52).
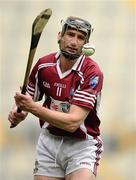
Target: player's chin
(74,52)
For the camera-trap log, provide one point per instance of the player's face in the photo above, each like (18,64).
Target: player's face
(72,41)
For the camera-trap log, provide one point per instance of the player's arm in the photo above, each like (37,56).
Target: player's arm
(68,121)
(14,117)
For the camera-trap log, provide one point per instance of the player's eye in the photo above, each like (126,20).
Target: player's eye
(81,37)
(71,34)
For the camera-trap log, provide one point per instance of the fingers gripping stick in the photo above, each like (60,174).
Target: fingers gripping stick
(37,29)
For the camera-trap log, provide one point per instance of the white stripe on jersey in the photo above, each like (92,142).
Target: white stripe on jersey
(81,76)
(89,98)
(46,65)
(84,100)
(37,92)
(58,54)
(85,97)
(85,93)
(82,57)
(30,90)
(32,94)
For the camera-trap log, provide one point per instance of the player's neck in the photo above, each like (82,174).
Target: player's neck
(66,65)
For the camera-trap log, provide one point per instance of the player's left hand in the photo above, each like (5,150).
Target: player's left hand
(24,101)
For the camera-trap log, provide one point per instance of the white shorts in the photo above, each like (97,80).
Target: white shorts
(57,156)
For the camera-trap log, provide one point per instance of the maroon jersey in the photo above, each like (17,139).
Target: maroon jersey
(80,86)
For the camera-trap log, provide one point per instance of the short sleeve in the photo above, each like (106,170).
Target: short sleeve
(86,95)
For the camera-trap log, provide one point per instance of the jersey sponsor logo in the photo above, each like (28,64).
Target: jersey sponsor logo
(46,84)
(59,86)
(94,81)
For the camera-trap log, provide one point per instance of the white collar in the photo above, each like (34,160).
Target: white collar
(75,67)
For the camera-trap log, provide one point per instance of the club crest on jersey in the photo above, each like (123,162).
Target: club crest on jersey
(94,81)
(64,107)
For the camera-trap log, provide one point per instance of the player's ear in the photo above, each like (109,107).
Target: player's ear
(59,37)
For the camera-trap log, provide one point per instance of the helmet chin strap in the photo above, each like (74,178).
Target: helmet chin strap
(67,55)
(70,56)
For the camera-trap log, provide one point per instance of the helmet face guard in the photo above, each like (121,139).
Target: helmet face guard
(78,24)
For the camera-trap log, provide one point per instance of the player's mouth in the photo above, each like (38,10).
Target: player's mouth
(72,50)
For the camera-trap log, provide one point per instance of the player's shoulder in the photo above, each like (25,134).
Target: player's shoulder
(91,65)
(49,58)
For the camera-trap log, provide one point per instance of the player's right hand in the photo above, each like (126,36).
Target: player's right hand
(15,118)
